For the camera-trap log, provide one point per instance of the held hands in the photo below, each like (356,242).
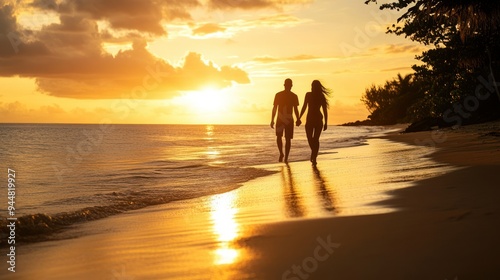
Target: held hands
(325,127)
(297,123)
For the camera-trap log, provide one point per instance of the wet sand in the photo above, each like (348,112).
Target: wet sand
(447,228)
(387,210)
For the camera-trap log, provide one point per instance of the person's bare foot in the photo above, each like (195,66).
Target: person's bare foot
(286,160)
(281,158)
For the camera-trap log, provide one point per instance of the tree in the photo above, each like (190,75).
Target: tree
(436,21)
(389,104)
(464,34)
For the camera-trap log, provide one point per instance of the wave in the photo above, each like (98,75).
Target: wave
(41,226)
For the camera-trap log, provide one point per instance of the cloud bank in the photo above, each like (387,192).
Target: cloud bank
(67,57)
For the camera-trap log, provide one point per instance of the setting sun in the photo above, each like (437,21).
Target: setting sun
(220,57)
(206,101)
(249,139)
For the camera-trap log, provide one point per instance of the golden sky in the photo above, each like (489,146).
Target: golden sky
(189,61)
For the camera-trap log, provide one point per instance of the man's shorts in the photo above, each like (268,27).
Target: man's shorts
(287,128)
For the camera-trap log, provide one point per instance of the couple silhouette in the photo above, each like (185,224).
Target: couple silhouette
(286,103)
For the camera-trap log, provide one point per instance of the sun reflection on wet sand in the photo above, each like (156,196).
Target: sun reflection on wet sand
(225,227)
(226,255)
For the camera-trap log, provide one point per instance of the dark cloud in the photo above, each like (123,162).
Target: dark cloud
(139,15)
(11,39)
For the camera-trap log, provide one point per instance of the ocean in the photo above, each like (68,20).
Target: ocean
(73,173)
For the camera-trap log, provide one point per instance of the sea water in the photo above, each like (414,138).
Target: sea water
(73,173)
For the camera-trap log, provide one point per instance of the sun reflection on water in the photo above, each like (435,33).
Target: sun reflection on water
(225,227)
(212,152)
(210,132)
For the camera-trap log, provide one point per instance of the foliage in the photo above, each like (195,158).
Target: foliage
(389,104)
(437,21)
(466,41)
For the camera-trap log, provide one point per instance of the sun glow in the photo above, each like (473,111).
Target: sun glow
(207,101)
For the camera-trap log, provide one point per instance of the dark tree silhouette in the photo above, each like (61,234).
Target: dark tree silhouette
(466,41)
(389,104)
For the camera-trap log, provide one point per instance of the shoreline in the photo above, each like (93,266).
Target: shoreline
(272,226)
(53,226)
(465,146)
(447,226)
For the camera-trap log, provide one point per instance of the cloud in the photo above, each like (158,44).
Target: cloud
(136,74)
(67,55)
(208,28)
(139,15)
(398,48)
(68,60)
(297,58)
(274,21)
(19,112)
(230,28)
(11,42)
(397,69)
(252,4)
(280,20)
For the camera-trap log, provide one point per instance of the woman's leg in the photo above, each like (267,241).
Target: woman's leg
(315,139)
(310,140)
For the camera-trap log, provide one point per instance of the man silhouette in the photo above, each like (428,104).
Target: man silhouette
(284,103)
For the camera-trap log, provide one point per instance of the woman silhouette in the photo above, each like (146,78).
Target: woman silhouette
(317,98)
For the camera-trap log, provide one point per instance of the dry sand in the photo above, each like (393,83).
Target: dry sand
(364,213)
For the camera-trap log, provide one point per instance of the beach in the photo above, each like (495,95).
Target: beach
(249,140)
(447,228)
(413,206)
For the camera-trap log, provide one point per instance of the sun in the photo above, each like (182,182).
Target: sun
(206,101)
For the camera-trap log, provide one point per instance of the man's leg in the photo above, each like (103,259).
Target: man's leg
(288,145)
(288,139)
(279,142)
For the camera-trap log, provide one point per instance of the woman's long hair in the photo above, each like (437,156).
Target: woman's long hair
(316,86)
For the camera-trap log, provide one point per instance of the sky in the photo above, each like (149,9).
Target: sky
(190,61)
